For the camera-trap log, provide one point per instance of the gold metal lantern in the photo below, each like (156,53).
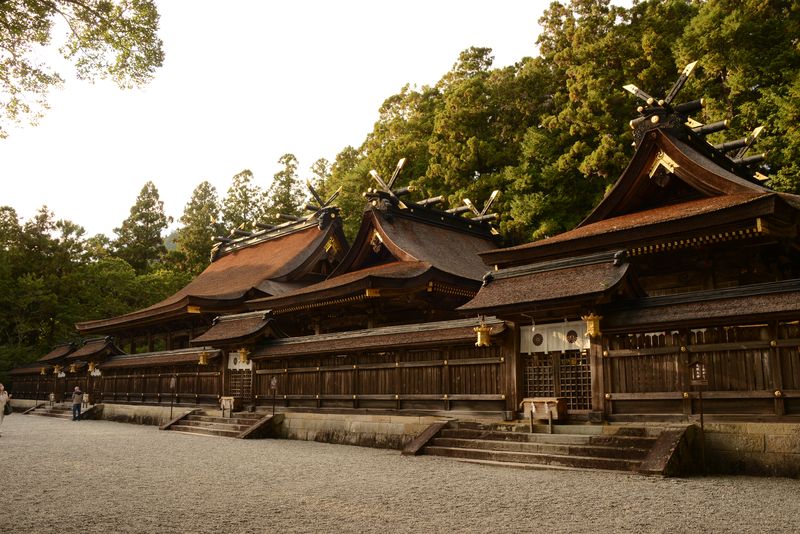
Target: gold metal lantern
(484,333)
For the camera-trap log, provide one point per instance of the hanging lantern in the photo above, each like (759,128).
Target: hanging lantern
(57,369)
(73,368)
(592,324)
(243,356)
(484,333)
(43,371)
(91,367)
(203,358)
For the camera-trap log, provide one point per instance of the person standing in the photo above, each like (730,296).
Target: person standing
(5,397)
(77,399)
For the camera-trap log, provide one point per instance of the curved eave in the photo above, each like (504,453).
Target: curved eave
(583,284)
(174,311)
(773,301)
(409,236)
(359,286)
(377,339)
(680,221)
(698,169)
(157,359)
(237,329)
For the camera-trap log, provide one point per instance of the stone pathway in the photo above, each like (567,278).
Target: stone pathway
(98,476)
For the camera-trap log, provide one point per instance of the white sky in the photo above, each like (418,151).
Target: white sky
(243,83)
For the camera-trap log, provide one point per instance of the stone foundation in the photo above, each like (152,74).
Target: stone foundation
(753,448)
(380,431)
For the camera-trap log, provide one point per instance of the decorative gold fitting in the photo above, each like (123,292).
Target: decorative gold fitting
(654,119)
(42,371)
(192,309)
(355,396)
(685,394)
(355,366)
(773,343)
(73,368)
(317,368)
(445,396)
(608,396)
(503,397)
(203,358)
(605,354)
(445,362)
(592,324)
(502,359)
(284,396)
(91,367)
(778,394)
(316,396)
(683,349)
(397,396)
(484,333)
(243,356)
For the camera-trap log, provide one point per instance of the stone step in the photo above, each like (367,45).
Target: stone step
(187,429)
(583,462)
(565,449)
(219,426)
(236,420)
(610,440)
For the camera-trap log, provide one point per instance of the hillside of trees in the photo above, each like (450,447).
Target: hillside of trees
(550,132)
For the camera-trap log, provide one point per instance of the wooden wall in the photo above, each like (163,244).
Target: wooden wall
(751,369)
(460,377)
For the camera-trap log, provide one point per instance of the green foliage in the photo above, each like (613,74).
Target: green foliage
(139,240)
(52,277)
(244,203)
(201,224)
(750,72)
(285,194)
(105,39)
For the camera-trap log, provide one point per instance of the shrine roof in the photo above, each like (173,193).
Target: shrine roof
(170,357)
(268,266)
(59,351)
(98,347)
(234,328)
(549,282)
(770,300)
(378,339)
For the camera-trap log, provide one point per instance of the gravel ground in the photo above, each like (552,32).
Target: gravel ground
(99,476)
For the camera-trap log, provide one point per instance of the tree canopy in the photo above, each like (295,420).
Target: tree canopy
(114,39)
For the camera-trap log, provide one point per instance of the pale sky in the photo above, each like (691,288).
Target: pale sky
(243,83)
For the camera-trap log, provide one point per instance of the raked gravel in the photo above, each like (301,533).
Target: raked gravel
(67,477)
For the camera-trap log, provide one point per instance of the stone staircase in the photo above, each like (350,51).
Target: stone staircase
(240,425)
(56,410)
(648,450)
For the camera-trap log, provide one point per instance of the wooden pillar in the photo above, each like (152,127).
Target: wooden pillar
(597,364)
(398,382)
(512,368)
(150,342)
(683,372)
(776,369)
(446,378)
(355,380)
(319,384)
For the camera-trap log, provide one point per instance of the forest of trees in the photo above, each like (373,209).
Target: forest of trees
(550,132)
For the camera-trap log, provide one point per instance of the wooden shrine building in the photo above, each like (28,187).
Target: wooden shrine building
(687,261)
(382,332)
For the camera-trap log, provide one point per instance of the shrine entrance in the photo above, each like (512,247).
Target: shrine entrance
(564,374)
(556,363)
(240,378)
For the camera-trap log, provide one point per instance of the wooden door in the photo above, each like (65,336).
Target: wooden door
(560,374)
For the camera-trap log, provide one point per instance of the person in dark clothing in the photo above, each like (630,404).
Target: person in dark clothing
(77,399)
